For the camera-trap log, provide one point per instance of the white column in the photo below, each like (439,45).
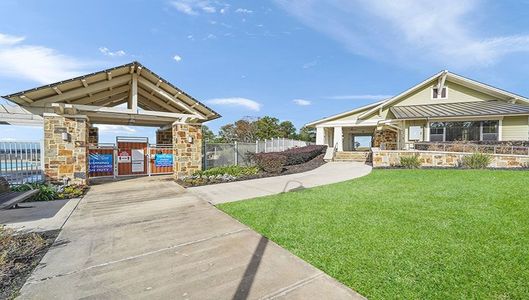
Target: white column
(338,138)
(320,136)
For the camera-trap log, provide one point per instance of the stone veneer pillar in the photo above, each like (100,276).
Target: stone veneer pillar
(93,135)
(164,136)
(187,153)
(66,159)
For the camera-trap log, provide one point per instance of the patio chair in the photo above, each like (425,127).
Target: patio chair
(9,199)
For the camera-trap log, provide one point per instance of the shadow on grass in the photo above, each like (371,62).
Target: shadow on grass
(243,289)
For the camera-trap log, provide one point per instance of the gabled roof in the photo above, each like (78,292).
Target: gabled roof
(467,82)
(111,87)
(356,110)
(461,109)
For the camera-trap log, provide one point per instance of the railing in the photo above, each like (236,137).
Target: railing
(236,153)
(279,144)
(21,162)
(465,147)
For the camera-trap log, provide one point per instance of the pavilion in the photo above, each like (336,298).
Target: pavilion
(129,94)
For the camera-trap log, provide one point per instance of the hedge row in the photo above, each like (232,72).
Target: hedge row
(274,162)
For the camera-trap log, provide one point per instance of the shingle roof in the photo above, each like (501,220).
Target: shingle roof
(459,109)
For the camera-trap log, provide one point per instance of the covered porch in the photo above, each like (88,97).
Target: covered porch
(354,138)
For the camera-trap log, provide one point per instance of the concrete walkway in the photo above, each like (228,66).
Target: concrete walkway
(234,191)
(150,238)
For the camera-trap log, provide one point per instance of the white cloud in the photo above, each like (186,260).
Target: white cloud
(209,9)
(246,103)
(107,52)
(177,58)
(184,7)
(302,102)
(117,129)
(409,30)
(244,11)
(9,40)
(195,7)
(37,63)
(359,97)
(310,64)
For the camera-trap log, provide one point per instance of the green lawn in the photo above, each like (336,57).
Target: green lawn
(409,234)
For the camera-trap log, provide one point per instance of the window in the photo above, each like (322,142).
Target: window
(437,132)
(490,130)
(464,131)
(435,93)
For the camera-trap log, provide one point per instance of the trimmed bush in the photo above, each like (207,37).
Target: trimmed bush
(296,156)
(476,161)
(410,162)
(271,162)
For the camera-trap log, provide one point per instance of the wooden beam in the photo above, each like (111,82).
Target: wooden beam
(85,84)
(56,89)
(96,87)
(111,99)
(139,70)
(157,101)
(121,111)
(26,98)
(133,102)
(165,95)
(101,95)
(109,76)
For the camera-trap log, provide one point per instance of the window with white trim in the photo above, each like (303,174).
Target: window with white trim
(436,95)
(464,131)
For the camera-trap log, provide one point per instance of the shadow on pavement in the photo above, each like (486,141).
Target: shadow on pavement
(248,278)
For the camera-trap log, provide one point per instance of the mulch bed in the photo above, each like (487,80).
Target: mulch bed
(19,255)
(308,166)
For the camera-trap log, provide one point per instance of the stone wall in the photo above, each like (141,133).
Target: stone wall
(187,155)
(93,135)
(391,158)
(385,136)
(66,159)
(164,137)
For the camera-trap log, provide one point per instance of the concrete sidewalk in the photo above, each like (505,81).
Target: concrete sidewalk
(234,191)
(150,238)
(38,216)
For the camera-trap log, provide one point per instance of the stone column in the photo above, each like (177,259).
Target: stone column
(164,136)
(187,149)
(65,156)
(93,135)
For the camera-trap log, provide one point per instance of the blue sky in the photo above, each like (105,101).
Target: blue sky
(299,60)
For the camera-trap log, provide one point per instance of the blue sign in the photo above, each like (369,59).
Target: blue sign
(100,163)
(163,160)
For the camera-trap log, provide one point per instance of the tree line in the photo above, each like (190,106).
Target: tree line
(249,129)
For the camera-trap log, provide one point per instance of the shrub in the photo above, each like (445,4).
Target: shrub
(296,156)
(236,171)
(72,191)
(476,161)
(271,162)
(48,192)
(410,162)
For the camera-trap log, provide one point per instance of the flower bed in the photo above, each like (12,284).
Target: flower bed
(48,192)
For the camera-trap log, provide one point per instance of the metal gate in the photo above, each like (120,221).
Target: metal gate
(130,157)
(161,159)
(101,160)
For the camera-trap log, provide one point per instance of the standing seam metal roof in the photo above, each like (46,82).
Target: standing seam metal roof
(458,109)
